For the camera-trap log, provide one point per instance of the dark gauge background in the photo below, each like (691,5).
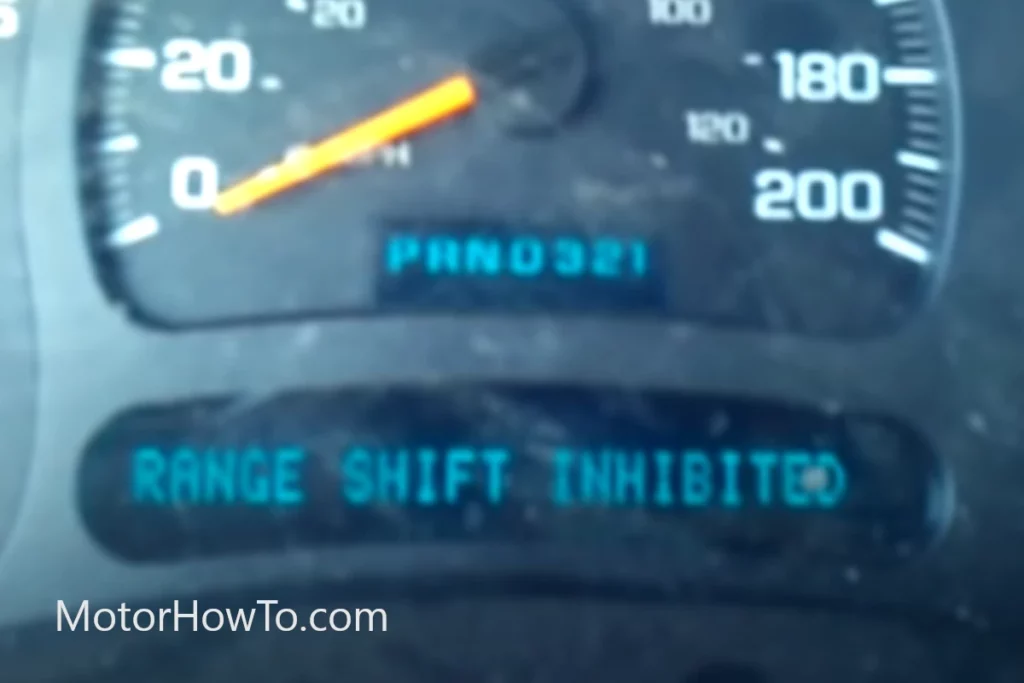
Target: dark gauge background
(605,153)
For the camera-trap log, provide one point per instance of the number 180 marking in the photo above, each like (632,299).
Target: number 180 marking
(855,77)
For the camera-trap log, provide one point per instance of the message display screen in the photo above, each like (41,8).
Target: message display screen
(506,464)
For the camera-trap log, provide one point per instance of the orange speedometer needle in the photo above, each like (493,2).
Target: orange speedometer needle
(438,103)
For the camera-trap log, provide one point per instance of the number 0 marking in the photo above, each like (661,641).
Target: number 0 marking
(195,182)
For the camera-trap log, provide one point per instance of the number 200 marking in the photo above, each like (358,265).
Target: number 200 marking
(819,196)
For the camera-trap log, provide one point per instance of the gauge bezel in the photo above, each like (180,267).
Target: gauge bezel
(700,254)
(96,363)
(17,335)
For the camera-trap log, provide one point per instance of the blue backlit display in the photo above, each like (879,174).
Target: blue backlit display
(189,476)
(450,465)
(428,477)
(431,268)
(522,257)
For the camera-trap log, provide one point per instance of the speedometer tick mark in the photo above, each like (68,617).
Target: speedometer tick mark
(133,8)
(921,93)
(921,180)
(129,24)
(901,246)
(909,45)
(753,59)
(903,75)
(914,234)
(132,233)
(121,144)
(924,145)
(921,198)
(917,216)
(918,161)
(271,83)
(132,58)
(923,128)
(909,26)
(774,146)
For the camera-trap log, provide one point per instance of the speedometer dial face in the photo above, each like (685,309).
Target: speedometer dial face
(772,164)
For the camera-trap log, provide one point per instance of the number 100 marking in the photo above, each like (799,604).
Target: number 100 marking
(681,12)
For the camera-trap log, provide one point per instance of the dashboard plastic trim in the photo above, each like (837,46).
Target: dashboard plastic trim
(942,374)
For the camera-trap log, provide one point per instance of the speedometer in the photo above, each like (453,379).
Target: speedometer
(785,165)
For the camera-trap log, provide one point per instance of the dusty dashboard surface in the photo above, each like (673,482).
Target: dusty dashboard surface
(694,311)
